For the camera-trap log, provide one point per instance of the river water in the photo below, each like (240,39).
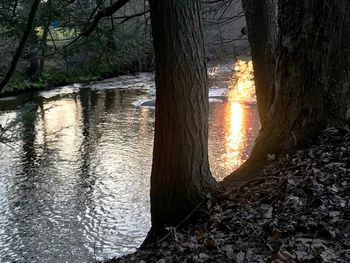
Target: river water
(75,164)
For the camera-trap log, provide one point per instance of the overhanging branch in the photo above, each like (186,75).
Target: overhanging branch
(108,11)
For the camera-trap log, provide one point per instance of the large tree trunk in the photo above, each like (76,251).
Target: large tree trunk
(312,74)
(312,79)
(262,33)
(180,177)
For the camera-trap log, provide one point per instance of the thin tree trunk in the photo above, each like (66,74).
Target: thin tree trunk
(180,177)
(262,33)
(26,34)
(43,46)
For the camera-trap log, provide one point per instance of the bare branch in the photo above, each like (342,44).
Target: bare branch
(108,11)
(14,9)
(126,18)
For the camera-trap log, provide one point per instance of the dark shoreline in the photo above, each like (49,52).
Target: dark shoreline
(32,87)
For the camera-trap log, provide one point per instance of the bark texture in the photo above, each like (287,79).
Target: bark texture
(180,177)
(311,88)
(262,33)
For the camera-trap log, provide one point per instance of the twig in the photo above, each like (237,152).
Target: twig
(183,221)
(254,181)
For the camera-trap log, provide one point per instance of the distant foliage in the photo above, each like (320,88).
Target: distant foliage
(58,54)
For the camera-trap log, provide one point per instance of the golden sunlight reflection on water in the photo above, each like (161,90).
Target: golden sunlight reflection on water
(239,120)
(241,91)
(234,137)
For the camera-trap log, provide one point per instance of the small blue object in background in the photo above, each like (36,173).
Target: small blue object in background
(53,23)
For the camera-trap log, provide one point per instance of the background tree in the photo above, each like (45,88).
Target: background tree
(29,26)
(55,53)
(180,177)
(262,33)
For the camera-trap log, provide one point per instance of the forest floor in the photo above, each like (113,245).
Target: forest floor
(298,210)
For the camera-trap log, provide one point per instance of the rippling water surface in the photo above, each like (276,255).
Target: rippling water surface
(74,175)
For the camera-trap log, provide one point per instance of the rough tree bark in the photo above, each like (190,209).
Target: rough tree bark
(312,79)
(262,33)
(180,177)
(312,74)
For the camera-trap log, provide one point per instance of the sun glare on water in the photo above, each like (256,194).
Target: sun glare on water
(238,120)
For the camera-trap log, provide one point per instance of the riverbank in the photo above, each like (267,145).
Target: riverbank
(54,78)
(298,210)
